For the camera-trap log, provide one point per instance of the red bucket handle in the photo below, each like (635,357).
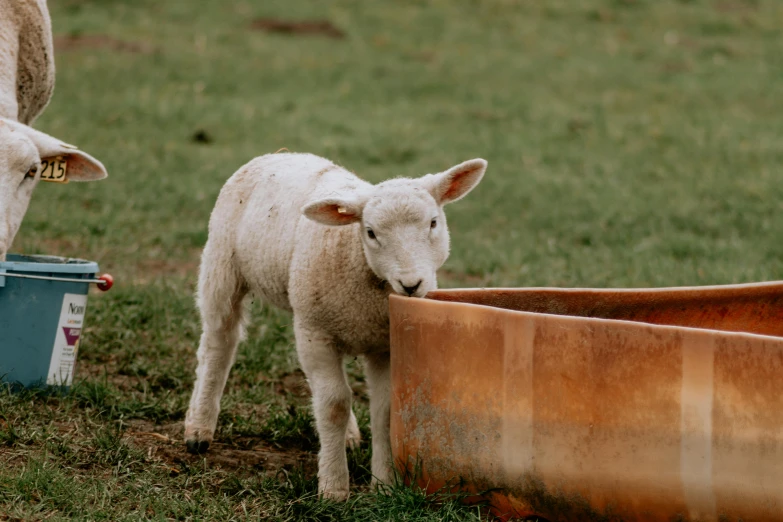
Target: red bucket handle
(106,282)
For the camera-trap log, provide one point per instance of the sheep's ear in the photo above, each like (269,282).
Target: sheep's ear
(80,165)
(333,211)
(456,182)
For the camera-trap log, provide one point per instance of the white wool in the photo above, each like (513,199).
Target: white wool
(310,237)
(26,85)
(26,59)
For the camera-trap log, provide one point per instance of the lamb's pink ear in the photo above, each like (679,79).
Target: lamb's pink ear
(333,211)
(80,165)
(456,182)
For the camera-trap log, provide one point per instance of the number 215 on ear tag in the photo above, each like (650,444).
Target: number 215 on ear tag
(53,170)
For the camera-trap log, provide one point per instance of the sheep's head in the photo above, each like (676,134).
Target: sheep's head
(402,224)
(23,151)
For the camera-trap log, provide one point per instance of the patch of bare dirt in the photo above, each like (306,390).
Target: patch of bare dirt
(63,247)
(150,269)
(463,278)
(294,383)
(736,7)
(106,370)
(246,454)
(301,27)
(13,459)
(294,386)
(673,67)
(73,42)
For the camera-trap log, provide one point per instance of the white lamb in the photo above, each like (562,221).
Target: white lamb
(26,85)
(267,235)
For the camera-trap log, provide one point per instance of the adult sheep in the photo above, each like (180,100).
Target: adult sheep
(267,236)
(26,85)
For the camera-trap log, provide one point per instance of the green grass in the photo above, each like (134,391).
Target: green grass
(630,143)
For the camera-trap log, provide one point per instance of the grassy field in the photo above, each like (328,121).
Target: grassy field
(630,143)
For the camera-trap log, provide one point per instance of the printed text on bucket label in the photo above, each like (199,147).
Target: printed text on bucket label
(66,341)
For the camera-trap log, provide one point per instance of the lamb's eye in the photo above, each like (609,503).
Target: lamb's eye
(370,233)
(434,223)
(29,175)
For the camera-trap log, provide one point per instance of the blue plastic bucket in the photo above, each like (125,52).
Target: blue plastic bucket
(43,300)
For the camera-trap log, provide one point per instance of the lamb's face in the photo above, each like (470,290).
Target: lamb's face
(405,237)
(22,152)
(402,224)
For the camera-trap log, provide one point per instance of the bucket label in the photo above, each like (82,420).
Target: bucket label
(66,341)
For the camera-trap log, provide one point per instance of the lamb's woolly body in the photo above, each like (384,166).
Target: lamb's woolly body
(291,261)
(319,271)
(26,59)
(260,242)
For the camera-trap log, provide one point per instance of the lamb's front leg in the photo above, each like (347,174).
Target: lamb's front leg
(323,366)
(379,385)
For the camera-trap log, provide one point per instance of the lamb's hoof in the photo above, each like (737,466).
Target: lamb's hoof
(197,447)
(337,495)
(381,486)
(336,488)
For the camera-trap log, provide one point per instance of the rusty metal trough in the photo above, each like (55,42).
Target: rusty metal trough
(575,405)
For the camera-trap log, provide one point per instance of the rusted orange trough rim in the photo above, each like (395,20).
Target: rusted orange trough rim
(595,404)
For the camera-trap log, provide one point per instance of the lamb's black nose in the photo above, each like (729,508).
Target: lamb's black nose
(411,289)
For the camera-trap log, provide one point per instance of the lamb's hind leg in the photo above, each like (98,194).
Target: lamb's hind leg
(220,296)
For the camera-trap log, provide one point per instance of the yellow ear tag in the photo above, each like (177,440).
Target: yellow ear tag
(342,210)
(53,170)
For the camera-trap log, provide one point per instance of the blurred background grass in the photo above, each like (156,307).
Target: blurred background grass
(630,143)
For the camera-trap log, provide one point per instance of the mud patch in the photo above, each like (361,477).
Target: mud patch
(148,270)
(736,7)
(294,383)
(674,67)
(301,27)
(104,370)
(63,247)
(74,42)
(244,455)
(463,278)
